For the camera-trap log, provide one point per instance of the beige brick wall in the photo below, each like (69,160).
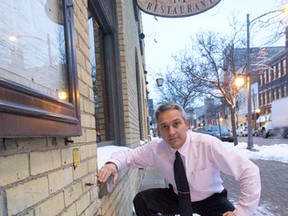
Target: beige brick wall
(129,52)
(37,174)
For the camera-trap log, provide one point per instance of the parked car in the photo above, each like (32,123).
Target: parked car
(220,132)
(242,131)
(256,132)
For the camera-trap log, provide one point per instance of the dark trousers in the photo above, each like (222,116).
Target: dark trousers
(163,201)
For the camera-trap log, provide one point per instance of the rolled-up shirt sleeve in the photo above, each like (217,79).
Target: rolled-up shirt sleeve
(244,171)
(139,157)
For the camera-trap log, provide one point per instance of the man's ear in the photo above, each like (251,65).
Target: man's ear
(158,131)
(186,123)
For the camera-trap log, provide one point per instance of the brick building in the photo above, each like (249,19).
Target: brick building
(273,81)
(71,74)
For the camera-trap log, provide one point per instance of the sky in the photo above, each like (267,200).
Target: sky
(173,34)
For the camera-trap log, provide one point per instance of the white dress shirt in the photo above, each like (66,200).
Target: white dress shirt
(204,157)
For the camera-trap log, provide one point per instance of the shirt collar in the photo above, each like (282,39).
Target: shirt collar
(184,149)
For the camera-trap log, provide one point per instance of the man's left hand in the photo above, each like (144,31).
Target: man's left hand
(229,213)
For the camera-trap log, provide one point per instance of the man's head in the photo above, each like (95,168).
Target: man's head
(172,124)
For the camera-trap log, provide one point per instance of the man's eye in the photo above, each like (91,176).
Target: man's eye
(164,127)
(176,124)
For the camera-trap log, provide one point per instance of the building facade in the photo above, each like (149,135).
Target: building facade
(72,82)
(273,82)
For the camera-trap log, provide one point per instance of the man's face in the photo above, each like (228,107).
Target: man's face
(172,128)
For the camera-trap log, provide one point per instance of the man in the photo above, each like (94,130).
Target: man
(203,156)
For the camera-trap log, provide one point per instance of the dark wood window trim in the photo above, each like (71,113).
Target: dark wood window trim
(26,112)
(105,14)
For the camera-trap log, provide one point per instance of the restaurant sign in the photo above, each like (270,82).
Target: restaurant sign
(175,8)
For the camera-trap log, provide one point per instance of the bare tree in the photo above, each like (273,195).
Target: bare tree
(178,88)
(274,23)
(210,63)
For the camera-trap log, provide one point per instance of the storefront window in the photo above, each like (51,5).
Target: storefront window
(38,77)
(32,46)
(106,74)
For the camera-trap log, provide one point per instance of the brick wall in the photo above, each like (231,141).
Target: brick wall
(119,202)
(37,174)
(130,59)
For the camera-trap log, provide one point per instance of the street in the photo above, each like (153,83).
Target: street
(264,141)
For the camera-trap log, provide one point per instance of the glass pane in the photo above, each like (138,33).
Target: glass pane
(32,45)
(94,80)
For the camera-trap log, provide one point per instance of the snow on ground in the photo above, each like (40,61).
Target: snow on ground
(276,152)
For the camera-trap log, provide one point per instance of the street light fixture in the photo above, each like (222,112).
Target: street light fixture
(248,74)
(159,82)
(239,81)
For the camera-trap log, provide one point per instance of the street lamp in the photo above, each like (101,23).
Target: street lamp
(239,81)
(248,73)
(159,82)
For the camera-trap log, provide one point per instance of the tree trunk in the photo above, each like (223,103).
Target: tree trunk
(233,123)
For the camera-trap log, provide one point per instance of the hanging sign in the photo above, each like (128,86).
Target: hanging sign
(175,8)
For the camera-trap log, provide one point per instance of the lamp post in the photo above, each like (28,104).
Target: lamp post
(250,135)
(248,73)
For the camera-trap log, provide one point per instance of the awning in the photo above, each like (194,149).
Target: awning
(262,118)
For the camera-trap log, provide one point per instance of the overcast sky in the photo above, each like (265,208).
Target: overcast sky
(173,34)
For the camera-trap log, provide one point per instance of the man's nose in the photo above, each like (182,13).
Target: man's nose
(171,130)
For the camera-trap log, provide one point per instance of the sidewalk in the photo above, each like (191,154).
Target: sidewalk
(274,182)
(151,179)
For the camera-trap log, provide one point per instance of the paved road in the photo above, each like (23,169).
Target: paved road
(265,141)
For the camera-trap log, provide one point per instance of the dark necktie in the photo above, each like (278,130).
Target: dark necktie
(182,187)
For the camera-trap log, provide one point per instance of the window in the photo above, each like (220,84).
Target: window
(264,77)
(269,96)
(279,92)
(38,77)
(261,79)
(261,99)
(268,75)
(282,90)
(275,94)
(279,69)
(275,72)
(106,74)
(284,66)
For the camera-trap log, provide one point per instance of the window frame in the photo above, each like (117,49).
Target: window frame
(27,112)
(110,74)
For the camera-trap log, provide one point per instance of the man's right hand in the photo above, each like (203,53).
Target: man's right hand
(106,171)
